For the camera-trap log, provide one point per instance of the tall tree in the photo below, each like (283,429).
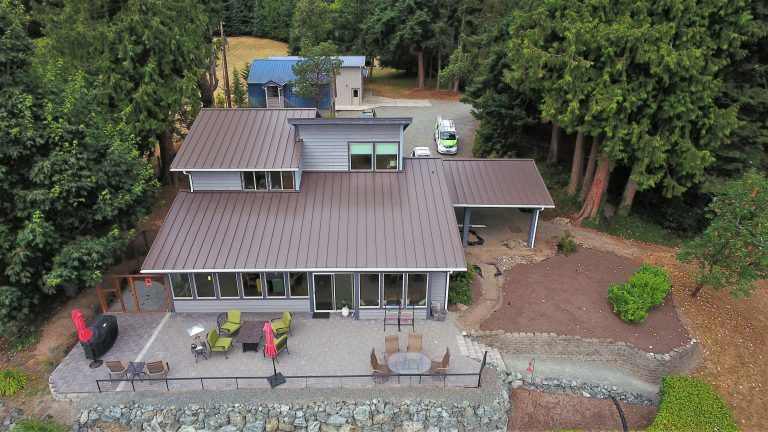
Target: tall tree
(311,25)
(316,72)
(272,19)
(239,95)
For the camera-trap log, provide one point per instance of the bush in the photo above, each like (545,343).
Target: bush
(690,404)
(566,244)
(11,382)
(460,286)
(646,288)
(31,425)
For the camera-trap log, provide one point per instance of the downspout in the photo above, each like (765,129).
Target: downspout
(191,187)
(447,285)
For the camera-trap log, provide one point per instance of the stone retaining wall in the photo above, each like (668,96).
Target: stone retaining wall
(650,367)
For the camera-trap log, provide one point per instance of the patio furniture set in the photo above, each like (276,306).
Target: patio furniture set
(132,369)
(411,362)
(233,329)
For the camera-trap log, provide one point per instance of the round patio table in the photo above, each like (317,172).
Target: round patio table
(409,363)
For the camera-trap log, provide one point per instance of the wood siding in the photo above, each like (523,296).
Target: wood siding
(216,180)
(326,147)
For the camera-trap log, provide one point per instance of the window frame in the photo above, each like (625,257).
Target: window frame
(265,286)
(192,292)
(408,287)
(261,280)
(372,155)
(360,290)
(213,284)
(397,156)
(250,176)
(290,285)
(402,297)
(237,286)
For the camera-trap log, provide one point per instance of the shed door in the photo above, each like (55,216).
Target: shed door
(355,96)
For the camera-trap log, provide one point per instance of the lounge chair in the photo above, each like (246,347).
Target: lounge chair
(414,342)
(117,367)
(282,325)
(229,323)
(380,371)
(281,343)
(218,343)
(441,367)
(157,368)
(391,344)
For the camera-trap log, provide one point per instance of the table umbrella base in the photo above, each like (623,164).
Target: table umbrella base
(276,379)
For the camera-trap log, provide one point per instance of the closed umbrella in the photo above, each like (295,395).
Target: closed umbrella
(271,350)
(83,332)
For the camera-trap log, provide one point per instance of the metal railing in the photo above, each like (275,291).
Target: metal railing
(239,381)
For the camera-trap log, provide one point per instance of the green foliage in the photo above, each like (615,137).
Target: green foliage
(272,19)
(21,340)
(11,382)
(646,288)
(635,227)
(566,244)
(398,31)
(690,404)
(220,100)
(314,71)
(239,90)
(31,425)
(460,286)
(733,252)
(238,16)
(311,25)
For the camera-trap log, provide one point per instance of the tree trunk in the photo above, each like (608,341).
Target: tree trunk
(208,82)
(594,201)
(696,290)
(554,143)
(420,58)
(630,189)
(589,175)
(577,165)
(439,66)
(165,141)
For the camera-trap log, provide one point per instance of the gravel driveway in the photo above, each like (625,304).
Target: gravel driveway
(419,133)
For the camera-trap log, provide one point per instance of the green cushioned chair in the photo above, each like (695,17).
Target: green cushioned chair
(229,323)
(282,325)
(218,343)
(281,343)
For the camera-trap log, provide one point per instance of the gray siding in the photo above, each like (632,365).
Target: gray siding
(244,305)
(348,78)
(437,287)
(216,180)
(326,147)
(378,314)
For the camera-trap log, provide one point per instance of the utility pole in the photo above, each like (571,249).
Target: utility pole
(224,63)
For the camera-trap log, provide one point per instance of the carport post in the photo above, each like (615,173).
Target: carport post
(465,228)
(534,224)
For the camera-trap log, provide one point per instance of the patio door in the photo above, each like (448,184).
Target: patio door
(333,291)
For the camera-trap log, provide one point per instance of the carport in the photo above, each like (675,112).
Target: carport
(497,183)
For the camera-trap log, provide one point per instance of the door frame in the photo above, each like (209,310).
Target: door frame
(359,97)
(333,292)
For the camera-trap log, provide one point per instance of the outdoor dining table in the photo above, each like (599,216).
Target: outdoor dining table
(136,368)
(250,335)
(409,363)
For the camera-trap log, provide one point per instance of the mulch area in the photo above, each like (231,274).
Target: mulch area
(536,411)
(567,295)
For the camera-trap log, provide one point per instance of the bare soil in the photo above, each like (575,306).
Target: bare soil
(535,411)
(567,295)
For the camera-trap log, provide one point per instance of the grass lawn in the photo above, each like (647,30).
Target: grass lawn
(245,49)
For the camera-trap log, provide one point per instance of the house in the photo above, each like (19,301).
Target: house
(288,211)
(270,84)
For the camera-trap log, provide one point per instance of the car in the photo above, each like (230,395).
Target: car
(368,113)
(445,136)
(421,152)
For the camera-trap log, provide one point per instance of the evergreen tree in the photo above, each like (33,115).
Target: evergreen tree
(316,72)
(239,95)
(311,25)
(272,19)
(238,17)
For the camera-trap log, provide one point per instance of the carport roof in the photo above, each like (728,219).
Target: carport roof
(496,183)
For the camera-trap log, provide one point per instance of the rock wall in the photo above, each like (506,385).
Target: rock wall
(647,366)
(578,388)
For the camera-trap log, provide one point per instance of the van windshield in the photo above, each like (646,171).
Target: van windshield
(448,136)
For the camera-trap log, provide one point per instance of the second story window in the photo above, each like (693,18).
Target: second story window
(268,180)
(373,156)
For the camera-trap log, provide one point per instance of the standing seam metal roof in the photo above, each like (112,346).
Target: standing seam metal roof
(346,61)
(241,139)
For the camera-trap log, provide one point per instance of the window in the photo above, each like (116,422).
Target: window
(444,135)
(287,177)
(204,285)
(275,182)
(393,289)
(417,289)
(275,284)
(261,180)
(252,285)
(386,156)
(248,183)
(299,286)
(271,180)
(344,290)
(369,290)
(180,285)
(355,93)
(273,91)
(360,156)
(228,285)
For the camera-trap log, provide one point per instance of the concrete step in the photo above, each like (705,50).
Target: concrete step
(462,345)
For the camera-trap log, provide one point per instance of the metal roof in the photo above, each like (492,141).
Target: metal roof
(346,61)
(340,221)
(277,71)
(496,183)
(405,121)
(240,139)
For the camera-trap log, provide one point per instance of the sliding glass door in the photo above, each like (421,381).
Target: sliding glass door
(333,291)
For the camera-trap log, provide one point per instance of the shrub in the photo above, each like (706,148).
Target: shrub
(690,404)
(566,244)
(647,287)
(460,287)
(31,425)
(11,382)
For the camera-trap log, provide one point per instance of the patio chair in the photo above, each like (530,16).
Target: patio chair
(380,371)
(440,367)
(281,343)
(438,313)
(117,367)
(229,323)
(157,368)
(391,344)
(282,325)
(392,317)
(218,343)
(407,315)
(414,342)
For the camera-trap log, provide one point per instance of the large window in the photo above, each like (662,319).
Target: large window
(417,289)
(370,156)
(369,290)
(268,180)
(228,285)
(344,290)
(180,285)
(299,286)
(386,156)
(204,285)
(360,156)
(252,285)
(275,284)
(393,289)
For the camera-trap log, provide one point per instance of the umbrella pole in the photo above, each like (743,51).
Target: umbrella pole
(276,379)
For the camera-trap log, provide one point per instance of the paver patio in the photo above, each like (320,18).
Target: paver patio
(334,346)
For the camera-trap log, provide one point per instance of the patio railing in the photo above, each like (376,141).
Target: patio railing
(470,380)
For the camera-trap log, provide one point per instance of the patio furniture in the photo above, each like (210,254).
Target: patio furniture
(441,367)
(104,332)
(282,325)
(391,344)
(117,367)
(414,342)
(281,343)
(407,315)
(157,368)
(218,343)
(136,368)
(438,313)
(250,335)
(409,363)
(199,350)
(195,331)
(380,371)
(392,317)
(229,323)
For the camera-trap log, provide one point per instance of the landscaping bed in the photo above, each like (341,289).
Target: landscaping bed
(567,295)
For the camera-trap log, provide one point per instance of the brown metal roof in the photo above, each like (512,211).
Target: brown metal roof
(241,138)
(337,221)
(496,183)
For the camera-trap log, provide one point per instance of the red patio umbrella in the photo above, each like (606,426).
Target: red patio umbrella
(271,350)
(83,332)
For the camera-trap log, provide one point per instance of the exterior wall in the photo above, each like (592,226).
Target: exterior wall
(215,180)
(326,147)
(244,305)
(377,314)
(257,97)
(437,287)
(348,78)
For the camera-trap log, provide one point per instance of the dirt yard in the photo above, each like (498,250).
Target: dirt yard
(567,295)
(535,411)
